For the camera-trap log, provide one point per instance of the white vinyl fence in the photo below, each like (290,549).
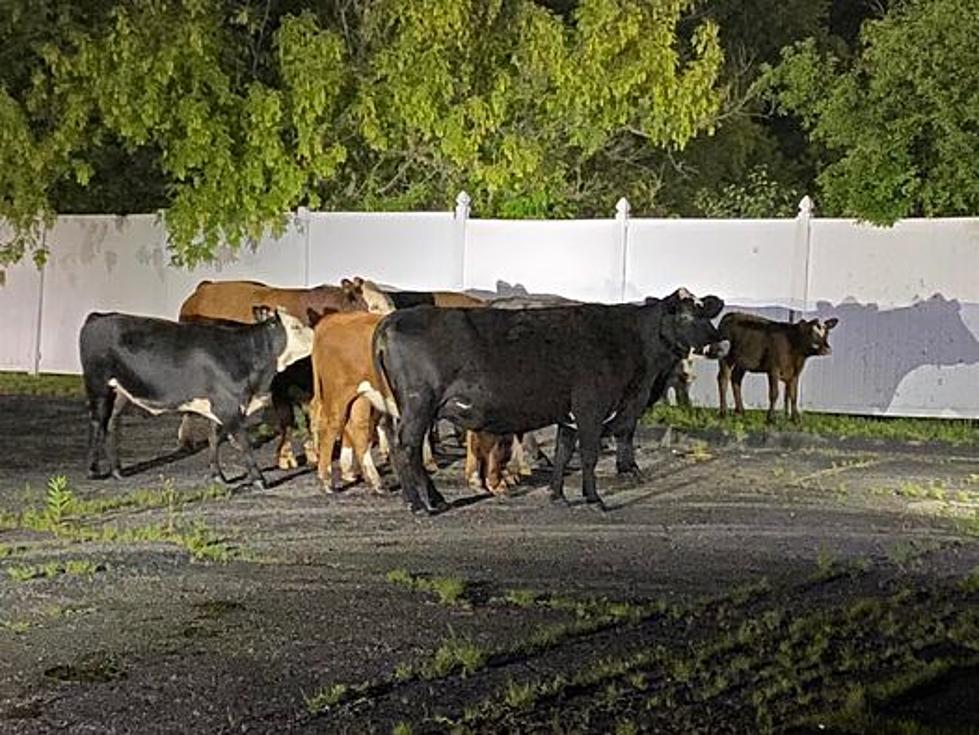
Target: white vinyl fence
(907,296)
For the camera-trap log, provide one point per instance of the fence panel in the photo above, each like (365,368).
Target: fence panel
(578,259)
(18,314)
(409,250)
(756,266)
(908,302)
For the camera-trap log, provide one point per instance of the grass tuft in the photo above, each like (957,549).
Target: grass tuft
(946,431)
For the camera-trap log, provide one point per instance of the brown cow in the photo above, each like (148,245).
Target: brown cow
(488,458)
(780,349)
(233,300)
(344,376)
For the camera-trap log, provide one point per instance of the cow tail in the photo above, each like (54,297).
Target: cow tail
(379,351)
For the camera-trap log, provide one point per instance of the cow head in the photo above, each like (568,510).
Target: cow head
(813,336)
(352,295)
(377,301)
(686,324)
(298,339)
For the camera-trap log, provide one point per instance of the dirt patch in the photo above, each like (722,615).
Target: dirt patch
(732,588)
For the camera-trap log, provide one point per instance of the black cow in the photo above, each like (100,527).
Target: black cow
(589,369)
(220,371)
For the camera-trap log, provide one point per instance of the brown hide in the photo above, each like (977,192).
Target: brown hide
(234,300)
(778,349)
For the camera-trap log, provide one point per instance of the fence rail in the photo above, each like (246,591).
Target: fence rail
(907,296)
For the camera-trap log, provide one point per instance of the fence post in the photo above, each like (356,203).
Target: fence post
(301,222)
(460,217)
(40,308)
(800,260)
(622,209)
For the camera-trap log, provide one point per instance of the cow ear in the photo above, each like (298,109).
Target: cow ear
(261,313)
(358,282)
(831,322)
(712,306)
(346,284)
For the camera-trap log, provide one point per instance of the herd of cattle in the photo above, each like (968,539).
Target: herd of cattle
(378,368)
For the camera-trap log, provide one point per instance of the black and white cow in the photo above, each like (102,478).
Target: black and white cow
(220,371)
(590,369)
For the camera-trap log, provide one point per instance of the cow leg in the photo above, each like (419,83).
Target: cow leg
(589,446)
(723,379)
(282,411)
(792,397)
(328,426)
(428,454)
(112,442)
(362,426)
(534,450)
(417,486)
(565,442)
(348,457)
(472,470)
(99,411)
(737,375)
(383,445)
(625,453)
(214,436)
(240,437)
(310,449)
(519,457)
(772,397)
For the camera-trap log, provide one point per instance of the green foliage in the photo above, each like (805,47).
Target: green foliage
(900,119)
(758,196)
(24,573)
(240,117)
(59,499)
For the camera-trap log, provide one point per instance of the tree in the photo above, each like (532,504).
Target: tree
(900,121)
(397,103)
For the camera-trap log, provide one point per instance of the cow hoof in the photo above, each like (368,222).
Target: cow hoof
(288,462)
(632,471)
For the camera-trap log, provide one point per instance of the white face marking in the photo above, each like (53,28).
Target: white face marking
(819,330)
(682,293)
(299,340)
(378,302)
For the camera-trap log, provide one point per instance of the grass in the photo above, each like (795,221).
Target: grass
(45,384)
(947,431)
(449,591)
(68,517)
(27,572)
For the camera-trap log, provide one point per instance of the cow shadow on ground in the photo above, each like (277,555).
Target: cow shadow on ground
(161,460)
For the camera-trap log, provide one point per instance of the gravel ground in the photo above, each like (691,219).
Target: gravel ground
(791,586)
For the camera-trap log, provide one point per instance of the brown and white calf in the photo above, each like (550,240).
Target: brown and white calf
(779,349)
